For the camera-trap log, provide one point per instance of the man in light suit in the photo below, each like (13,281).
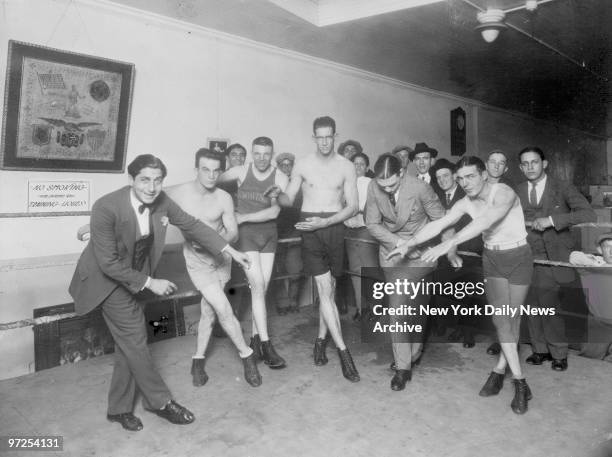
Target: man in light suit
(551,206)
(128,229)
(398,205)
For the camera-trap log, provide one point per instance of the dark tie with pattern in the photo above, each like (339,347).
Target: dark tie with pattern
(448,198)
(533,197)
(392,200)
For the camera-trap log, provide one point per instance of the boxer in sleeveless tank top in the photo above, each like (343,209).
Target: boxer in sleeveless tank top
(256,215)
(507,262)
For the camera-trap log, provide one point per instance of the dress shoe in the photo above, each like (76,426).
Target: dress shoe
(537,358)
(320,358)
(127,420)
(400,378)
(175,413)
(493,385)
(522,394)
(199,376)
(392,367)
(251,373)
(559,364)
(270,357)
(468,340)
(494,349)
(348,366)
(256,346)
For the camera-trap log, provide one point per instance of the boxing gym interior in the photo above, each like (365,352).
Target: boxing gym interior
(458,77)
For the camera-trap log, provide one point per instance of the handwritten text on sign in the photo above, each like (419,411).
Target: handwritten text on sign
(58,196)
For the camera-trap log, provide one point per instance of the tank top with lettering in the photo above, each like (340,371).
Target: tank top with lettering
(250,195)
(510,229)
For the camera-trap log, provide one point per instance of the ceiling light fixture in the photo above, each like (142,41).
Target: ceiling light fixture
(491,22)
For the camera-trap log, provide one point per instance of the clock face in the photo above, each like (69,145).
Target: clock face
(460,122)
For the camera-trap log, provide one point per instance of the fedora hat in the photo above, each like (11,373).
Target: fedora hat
(422,147)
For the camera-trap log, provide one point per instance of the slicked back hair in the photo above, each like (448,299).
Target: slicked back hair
(146,161)
(208,154)
(535,149)
(324,121)
(387,165)
(467,161)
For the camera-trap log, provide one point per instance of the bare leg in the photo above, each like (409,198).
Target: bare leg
(501,293)
(328,312)
(356,279)
(216,300)
(257,284)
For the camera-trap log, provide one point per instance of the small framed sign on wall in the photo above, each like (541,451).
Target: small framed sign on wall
(458,127)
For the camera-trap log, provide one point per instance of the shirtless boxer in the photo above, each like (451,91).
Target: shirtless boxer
(203,200)
(328,183)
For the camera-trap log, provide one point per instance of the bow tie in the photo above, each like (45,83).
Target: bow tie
(144,206)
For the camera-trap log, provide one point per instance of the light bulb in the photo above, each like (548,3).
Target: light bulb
(490,35)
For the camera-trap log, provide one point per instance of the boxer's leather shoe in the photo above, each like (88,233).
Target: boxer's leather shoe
(348,366)
(493,385)
(251,373)
(320,358)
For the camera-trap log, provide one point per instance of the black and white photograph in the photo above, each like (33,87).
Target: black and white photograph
(319,228)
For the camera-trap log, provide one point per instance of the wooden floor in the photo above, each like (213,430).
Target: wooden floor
(305,410)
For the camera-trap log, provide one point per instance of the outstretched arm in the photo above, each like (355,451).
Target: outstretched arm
(494,212)
(233,174)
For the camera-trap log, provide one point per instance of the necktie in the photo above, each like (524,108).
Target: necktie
(533,197)
(144,206)
(392,200)
(448,198)
(422,177)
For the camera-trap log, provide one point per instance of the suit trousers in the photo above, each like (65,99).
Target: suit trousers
(134,367)
(547,333)
(407,347)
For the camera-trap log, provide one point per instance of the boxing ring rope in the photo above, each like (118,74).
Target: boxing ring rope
(48,319)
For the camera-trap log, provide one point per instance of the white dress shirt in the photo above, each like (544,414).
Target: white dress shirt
(143,219)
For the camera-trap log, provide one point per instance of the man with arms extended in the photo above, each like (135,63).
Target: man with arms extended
(329,189)
(258,236)
(506,261)
(128,230)
(551,206)
(203,200)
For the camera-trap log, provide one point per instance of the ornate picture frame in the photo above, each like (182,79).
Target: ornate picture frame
(65,111)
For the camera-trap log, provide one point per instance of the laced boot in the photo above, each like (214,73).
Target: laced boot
(494,384)
(348,366)
(320,358)
(197,372)
(251,373)
(270,357)
(256,346)
(522,394)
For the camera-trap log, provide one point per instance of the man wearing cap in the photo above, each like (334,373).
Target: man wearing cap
(423,157)
(403,153)
(551,207)
(351,147)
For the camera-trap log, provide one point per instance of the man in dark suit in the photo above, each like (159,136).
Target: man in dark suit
(449,193)
(398,206)
(128,229)
(551,207)
(423,158)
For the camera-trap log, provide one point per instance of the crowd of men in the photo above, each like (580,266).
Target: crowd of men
(419,225)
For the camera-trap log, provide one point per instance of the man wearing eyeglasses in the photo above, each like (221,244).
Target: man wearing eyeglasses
(329,188)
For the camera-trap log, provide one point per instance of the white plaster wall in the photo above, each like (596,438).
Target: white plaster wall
(191,84)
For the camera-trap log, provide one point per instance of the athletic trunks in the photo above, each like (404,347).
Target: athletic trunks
(515,265)
(258,236)
(205,269)
(323,249)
